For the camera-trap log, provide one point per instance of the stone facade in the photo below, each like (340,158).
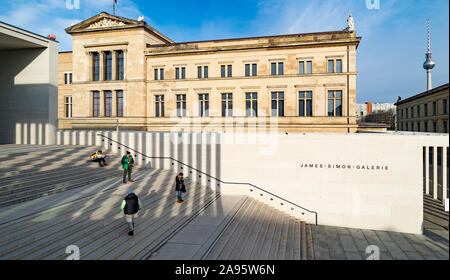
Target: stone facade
(425,112)
(150,102)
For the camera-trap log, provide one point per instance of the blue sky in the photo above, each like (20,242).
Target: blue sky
(389,58)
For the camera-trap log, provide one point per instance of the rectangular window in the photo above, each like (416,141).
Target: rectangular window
(108,103)
(156,74)
(338,65)
(335,103)
(277,67)
(230,70)
(444,104)
(301,67)
(247,70)
(330,66)
(68,78)
(159,106)
(222,71)
(183,73)
(199,72)
(119,99)
(277,104)
(108,66)
(96,104)
(445,127)
(203,105)
(426,126)
(181,105)
(309,67)
(434,108)
(251,104)
(434,127)
(120,65)
(418,111)
(177,73)
(96,66)
(161,74)
(205,72)
(68,106)
(426,110)
(227,105)
(305,103)
(273,69)
(254,69)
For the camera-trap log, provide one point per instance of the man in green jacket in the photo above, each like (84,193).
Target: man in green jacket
(127,164)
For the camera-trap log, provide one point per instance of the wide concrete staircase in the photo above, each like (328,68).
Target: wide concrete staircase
(260,232)
(53,197)
(31,172)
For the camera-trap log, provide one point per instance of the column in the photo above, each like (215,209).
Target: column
(444,173)
(114,104)
(102,66)
(427,175)
(91,65)
(102,103)
(114,66)
(435,177)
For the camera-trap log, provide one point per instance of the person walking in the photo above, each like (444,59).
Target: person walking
(179,187)
(130,206)
(127,164)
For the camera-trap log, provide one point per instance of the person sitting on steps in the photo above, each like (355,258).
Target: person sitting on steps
(100,158)
(127,164)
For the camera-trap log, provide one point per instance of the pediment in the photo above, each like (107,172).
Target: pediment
(102,21)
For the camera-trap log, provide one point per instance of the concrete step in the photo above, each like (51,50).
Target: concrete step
(262,235)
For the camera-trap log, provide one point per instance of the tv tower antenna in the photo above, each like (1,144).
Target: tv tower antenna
(429,63)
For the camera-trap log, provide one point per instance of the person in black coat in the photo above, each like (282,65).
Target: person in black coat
(179,186)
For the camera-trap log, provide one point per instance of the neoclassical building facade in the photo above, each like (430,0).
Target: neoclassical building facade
(124,71)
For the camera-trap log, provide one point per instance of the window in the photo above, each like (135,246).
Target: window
(96,66)
(119,96)
(407,113)
(247,70)
(445,127)
(335,103)
(159,106)
(227,105)
(108,103)
(444,104)
(254,69)
(120,65)
(203,105)
(403,114)
(68,106)
(274,68)
(301,67)
(161,74)
(309,67)
(426,126)
(305,103)
(418,111)
(68,78)
(330,66)
(181,105)
(156,74)
(96,104)
(251,104)
(226,71)
(180,73)
(108,66)
(277,104)
(202,70)
(338,65)
(426,110)
(434,127)
(434,108)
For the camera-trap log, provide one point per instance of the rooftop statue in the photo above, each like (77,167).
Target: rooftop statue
(350,24)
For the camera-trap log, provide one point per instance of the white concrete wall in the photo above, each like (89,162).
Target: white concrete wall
(28,95)
(388,198)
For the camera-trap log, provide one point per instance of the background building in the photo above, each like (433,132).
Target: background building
(28,87)
(378,113)
(426,112)
(128,72)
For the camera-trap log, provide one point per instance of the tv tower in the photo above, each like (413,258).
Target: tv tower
(429,63)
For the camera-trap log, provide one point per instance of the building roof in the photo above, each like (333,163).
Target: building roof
(423,94)
(115,22)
